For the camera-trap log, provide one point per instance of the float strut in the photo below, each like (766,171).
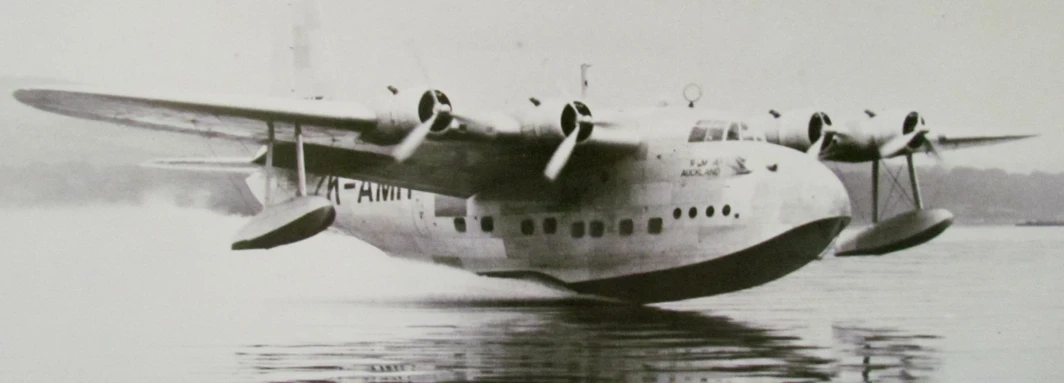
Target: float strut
(301,168)
(875,191)
(915,183)
(269,162)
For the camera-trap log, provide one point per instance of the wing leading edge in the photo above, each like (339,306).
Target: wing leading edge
(241,118)
(947,142)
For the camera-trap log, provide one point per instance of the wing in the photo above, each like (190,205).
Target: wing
(338,136)
(229,117)
(945,142)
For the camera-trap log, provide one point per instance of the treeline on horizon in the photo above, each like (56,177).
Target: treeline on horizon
(975,196)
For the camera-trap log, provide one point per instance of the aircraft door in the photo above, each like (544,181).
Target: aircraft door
(422,212)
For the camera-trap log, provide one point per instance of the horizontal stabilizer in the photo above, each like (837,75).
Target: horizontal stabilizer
(208,164)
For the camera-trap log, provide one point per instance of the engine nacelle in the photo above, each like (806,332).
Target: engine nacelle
(404,109)
(553,120)
(898,121)
(797,129)
(903,120)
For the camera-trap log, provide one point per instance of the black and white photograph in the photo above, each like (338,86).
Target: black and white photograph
(342,191)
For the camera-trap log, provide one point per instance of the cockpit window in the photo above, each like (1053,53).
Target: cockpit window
(720,130)
(698,134)
(733,132)
(716,134)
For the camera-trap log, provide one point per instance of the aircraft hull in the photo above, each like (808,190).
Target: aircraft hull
(678,222)
(751,267)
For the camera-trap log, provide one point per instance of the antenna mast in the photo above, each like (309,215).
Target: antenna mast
(583,80)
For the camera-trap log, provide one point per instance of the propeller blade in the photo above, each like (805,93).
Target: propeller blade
(897,145)
(413,139)
(932,150)
(560,157)
(816,147)
(606,124)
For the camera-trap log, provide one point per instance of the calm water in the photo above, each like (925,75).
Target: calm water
(133,294)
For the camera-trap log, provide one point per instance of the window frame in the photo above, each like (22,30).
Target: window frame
(528,226)
(596,229)
(578,229)
(550,225)
(733,133)
(626,227)
(655,225)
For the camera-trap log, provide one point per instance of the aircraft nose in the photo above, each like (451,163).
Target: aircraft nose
(808,191)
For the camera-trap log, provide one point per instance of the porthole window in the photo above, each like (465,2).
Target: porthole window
(550,226)
(692,212)
(577,229)
(487,224)
(676,213)
(459,225)
(626,227)
(726,210)
(709,211)
(654,226)
(528,227)
(597,229)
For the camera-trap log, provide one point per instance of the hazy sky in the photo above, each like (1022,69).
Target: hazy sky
(969,66)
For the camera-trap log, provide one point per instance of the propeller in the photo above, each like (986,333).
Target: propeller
(816,147)
(417,136)
(577,125)
(932,150)
(560,157)
(819,126)
(900,143)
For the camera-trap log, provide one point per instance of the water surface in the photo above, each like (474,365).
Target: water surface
(125,294)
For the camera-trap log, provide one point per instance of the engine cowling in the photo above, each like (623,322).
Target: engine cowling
(905,121)
(798,129)
(555,119)
(405,109)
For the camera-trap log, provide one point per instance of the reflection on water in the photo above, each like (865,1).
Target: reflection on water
(580,341)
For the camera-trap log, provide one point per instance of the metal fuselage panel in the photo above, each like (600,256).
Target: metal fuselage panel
(729,196)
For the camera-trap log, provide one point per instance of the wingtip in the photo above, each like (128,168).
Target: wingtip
(22,94)
(31,96)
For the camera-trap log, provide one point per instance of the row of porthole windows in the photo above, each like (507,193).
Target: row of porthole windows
(710,211)
(577,229)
